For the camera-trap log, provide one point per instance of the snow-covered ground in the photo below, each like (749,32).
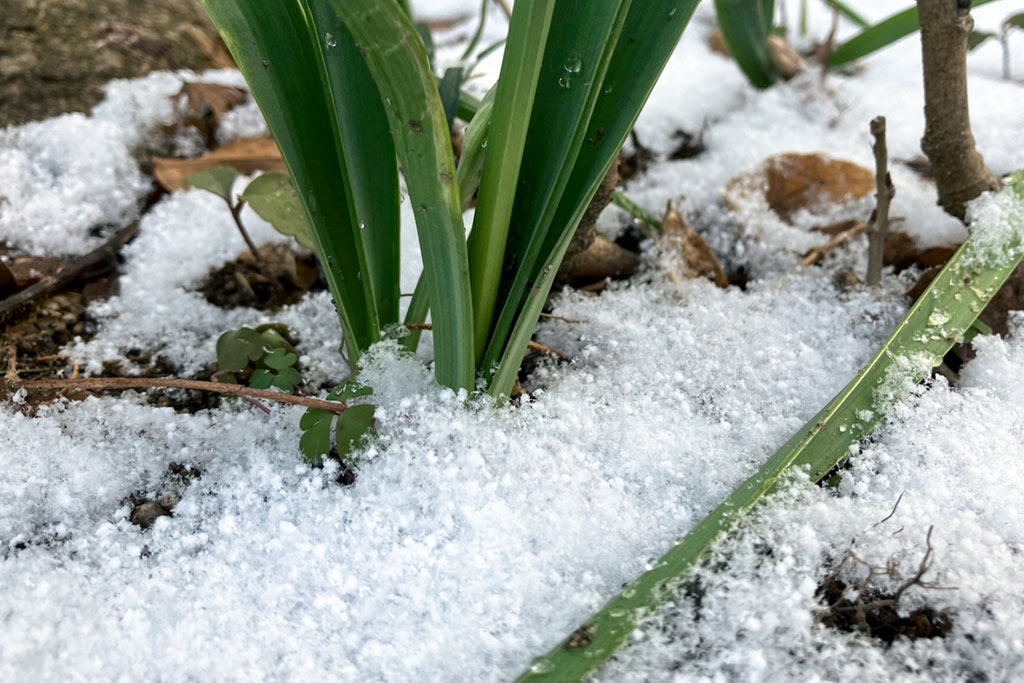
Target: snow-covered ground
(474,538)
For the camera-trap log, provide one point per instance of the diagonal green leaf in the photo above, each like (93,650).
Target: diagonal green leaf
(940,317)
(218,180)
(422,140)
(353,424)
(884,33)
(272,196)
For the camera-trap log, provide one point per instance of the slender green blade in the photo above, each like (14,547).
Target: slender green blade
(940,317)
(420,133)
(368,158)
(576,57)
(506,140)
(270,43)
(649,35)
(883,33)
(745,29)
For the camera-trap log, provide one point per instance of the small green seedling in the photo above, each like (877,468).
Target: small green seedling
(348,427)
(271,195)
(262,358)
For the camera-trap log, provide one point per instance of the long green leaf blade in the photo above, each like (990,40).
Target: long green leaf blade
(884,33)
(941,315)
(368,158)
(506,139)
(650,33)
(745,30)
(420,132)
(270,43)
(576,57)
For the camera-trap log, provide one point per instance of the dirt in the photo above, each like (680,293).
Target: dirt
(56,55)
(287,274)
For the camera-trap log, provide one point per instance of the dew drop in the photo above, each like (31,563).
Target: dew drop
(938,318)
(362,225)
(541,666)
(565,82)
(672,12)
(607,89)
(842,428)
(484,143)
(573,63)
(330,40)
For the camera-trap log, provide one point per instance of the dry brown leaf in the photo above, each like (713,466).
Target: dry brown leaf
(697,257)
(8,283)
(213,46)
(30,269)
(784,56)
(791,182)
(601,260)
(901,251)
(212,97)
(247,156)
(716,43)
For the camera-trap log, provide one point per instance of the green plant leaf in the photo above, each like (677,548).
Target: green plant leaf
(315,441)
(353,424)
(650,33)
(218,180)
(237,348)
(273,339)
(884,33)
(941,315)
(261,378)
(279,359)
(420,133)
(271,43)
(272,196)
(1013,21)
(745,26)
(348,390)
(449,89)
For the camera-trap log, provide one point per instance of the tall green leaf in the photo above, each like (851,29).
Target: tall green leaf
(745,26)
(879,35)
(506,139)
(941,316)
(270,43)
(420,133)
(579,48)
(649,35)
(368,158)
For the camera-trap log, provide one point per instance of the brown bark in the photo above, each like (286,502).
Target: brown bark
(959,170)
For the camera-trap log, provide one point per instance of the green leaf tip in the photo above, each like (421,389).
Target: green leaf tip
(272,196)
(218,180)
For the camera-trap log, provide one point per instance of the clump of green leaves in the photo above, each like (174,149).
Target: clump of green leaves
(271,195)
(262,358)
(346,430)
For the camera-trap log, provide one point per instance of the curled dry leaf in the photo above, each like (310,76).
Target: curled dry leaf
(784,56)
(791,182)
(602,259)
(247,156)
(695,256)
(901,251)
(211,99)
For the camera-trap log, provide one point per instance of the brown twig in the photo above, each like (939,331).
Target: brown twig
(103,383)
(562,318)
(815,254)
(823,51)
(878,227)
(889,516)
(77,268)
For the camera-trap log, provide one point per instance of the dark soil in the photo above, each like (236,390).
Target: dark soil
(56,55)
(285,277)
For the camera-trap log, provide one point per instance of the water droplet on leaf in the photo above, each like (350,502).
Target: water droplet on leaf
(330,40)
(573,63)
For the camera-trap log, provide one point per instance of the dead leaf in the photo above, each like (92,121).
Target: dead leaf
(208,102)
(8,283)
(784,56)
(601,260)
(791,182)
(213,46)
(697,257)
(901,251)
(716,43)
(28,270)
(248,156)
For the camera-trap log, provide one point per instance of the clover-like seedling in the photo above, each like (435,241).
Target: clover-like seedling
(263,357)
(271,195)
(348,427)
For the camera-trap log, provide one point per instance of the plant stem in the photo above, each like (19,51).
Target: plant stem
(878,227)
(102,383)
(635,210)
(236,214)
(959,170)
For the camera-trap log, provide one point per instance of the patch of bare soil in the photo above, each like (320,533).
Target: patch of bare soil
(285,276)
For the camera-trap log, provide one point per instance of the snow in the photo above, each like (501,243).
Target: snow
(476,538)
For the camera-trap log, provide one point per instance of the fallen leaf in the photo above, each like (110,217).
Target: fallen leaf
(247,156)
(716,43)
(8,283)
(601,260)
(791,182)
(901,251)
(213,46)
(208,102)
(698,260)
(784,56)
